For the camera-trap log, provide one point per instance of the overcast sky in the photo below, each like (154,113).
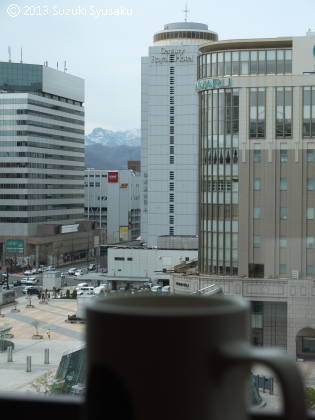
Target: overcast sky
(106,50)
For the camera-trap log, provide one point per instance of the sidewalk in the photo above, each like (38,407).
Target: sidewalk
(13,375)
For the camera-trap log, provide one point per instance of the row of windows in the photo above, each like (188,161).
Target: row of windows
(284,213)
(40,176)
(185,34)
(310,184)
(283,241)
(31,123)
(122,259)
(19,101)
(244,62)
(26,143)
(44,136)
(40,115)
(221,156)
(41,186)
(39,165)
(40,156)
(284,155)
(38,196)
(40,219)
(41,207)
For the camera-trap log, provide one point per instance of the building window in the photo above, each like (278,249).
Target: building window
(310,213)
(283,156)
(171,208)
(282,269)
(171,220)
(119,259)
(309,111)
(257,112)
(257,241)
(310,269)
(310,241)
(311,184)
(171,150)
(171,230)
(129,259)
(172,159)
(283,241)
(171,129)
(283,184)
(171,198)
(171,139)
(257,156)
(283,213)
(172,175)
(171,186)
(257,184)
(284,101)
(257,212)
(310,155)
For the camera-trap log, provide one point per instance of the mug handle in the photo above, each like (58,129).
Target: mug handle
(285,367)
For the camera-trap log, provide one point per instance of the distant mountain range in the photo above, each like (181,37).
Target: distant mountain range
(106,149)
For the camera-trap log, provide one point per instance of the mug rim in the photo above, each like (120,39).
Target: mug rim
(161,306)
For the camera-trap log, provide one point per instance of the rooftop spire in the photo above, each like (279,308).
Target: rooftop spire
(186,11)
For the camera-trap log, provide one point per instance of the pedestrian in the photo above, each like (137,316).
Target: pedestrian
(48,332)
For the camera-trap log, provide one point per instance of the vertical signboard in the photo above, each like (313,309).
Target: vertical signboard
(123,233)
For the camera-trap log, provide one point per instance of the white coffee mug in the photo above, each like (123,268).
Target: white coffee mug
(177,357)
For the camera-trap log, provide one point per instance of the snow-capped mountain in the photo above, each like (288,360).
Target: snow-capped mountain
(105,149)
(113,138)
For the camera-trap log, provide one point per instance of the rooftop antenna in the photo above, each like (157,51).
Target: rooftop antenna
(186,11)
(9,53)
(65,66)
(21,59)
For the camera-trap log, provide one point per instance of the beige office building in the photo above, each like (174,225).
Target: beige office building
(257,157)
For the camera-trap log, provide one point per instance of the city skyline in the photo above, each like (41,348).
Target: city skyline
(102,49)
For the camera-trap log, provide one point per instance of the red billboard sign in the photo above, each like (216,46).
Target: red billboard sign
(112,176)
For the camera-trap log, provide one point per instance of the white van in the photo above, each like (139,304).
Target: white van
(87,290)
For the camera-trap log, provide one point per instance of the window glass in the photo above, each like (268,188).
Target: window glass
(283,242)
(311,184)
(257,241)
(310,213)
(283,184)
(310,241)
(283,156)
(257,184)
(282,269)
(283,213)
(257,212)
(310,269)
(257,155)
(311,155)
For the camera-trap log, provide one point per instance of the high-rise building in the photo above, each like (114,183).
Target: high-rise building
(169,131)
(41,153)
(257,157)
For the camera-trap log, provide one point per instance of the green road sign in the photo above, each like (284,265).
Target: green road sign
(15,246)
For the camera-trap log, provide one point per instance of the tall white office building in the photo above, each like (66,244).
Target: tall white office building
(169,125)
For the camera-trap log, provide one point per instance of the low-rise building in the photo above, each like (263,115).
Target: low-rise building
(112,200)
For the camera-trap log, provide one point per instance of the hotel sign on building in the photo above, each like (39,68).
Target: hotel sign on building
(172,55)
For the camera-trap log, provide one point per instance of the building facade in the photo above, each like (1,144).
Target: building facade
(257,157)
(169,131)
(112,200)
(41,154)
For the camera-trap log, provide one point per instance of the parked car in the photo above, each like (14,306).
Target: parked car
(100,289)
(24,280)
(89,290)
(80,285)
(166,289)
(156,288)
(34,271)
(71,271)
(79,272)
(92,267)
(17,283)
(27,273)
(32,281)
(31,290)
